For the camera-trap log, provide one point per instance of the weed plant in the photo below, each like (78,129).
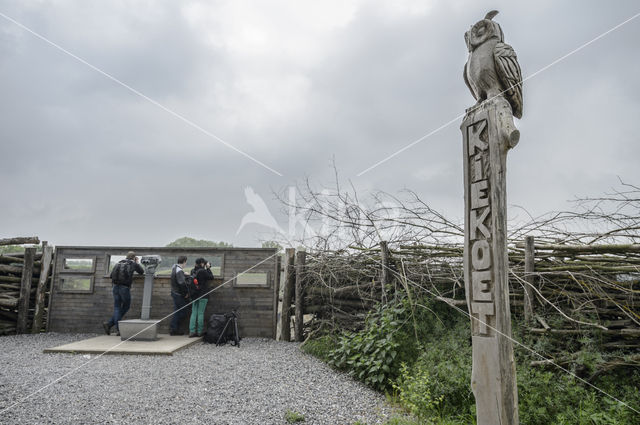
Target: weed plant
(293,417)
(420,354)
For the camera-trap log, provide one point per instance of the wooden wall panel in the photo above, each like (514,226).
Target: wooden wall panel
(85,312)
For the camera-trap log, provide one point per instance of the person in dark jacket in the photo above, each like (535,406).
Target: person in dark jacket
(122,278)
(201,275)
(180,295)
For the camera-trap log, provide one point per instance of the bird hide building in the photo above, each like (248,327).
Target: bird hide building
(245,280)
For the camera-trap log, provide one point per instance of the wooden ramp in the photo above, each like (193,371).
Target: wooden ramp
(165,345)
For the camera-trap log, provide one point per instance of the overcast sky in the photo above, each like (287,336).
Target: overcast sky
(294,85)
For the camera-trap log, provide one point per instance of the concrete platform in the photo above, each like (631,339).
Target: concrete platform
(164,345)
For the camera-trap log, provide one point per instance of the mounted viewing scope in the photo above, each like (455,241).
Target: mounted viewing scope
(151,262)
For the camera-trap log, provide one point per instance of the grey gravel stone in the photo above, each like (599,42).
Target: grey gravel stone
(253,384)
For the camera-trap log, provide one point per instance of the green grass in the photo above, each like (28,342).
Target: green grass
(320,347)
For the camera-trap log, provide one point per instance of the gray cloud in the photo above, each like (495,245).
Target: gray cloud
(84,161)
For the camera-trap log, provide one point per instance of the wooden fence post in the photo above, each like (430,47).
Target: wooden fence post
(529,277)
(384,278)
(47,254)
(287,296)
(25,290)
(276,294)
(300,261)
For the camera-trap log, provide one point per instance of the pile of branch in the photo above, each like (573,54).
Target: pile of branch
(585,276)
(340,288)
(24,285)
(582,288)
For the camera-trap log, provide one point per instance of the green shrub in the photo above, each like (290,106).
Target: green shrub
(414,392)
(437,385)
(547,397)
(422,352)
(374,354)
(370,355)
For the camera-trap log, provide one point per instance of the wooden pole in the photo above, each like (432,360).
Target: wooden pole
(276,295)
(385,275)
(301,257)
(529,277)
(493,376)
(287,296)
(25,290)
(47,254)
(51,291)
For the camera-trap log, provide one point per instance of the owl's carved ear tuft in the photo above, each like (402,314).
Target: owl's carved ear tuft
(491,14)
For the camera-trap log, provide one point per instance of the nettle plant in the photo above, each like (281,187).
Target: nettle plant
(372,355)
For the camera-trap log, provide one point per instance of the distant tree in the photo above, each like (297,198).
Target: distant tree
(187,242)
(272,244)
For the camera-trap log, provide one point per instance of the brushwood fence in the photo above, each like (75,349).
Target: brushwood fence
(556,290)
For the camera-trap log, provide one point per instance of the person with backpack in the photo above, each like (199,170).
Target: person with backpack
(201,275)
(122,278)
(179,294)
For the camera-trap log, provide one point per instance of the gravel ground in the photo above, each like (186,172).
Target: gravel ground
(254,384)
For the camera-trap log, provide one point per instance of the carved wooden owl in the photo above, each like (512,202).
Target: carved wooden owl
(492,67)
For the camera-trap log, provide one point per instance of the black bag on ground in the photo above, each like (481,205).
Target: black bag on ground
(223,328)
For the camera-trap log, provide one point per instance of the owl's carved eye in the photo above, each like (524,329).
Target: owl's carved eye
(480,28)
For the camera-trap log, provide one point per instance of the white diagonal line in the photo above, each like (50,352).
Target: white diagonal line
(122,342)
(448,123)
(142,95)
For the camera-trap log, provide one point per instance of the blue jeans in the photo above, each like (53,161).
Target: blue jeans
(178,312)
(121,303)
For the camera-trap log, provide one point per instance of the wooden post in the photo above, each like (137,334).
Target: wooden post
(276,295)
(51,291)
(493,377)
(25,290)
(301,257)
(529,277)
(47,254)
(384,278)
(287,296)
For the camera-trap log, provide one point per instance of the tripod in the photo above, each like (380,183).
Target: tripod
(231,317)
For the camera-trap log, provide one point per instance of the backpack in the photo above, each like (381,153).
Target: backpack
(223,328)
(192,282)
(122,273)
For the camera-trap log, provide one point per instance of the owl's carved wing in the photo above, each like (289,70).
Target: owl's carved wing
(466,80)
(510,76)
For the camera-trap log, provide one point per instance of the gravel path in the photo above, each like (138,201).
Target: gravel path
(254,384)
